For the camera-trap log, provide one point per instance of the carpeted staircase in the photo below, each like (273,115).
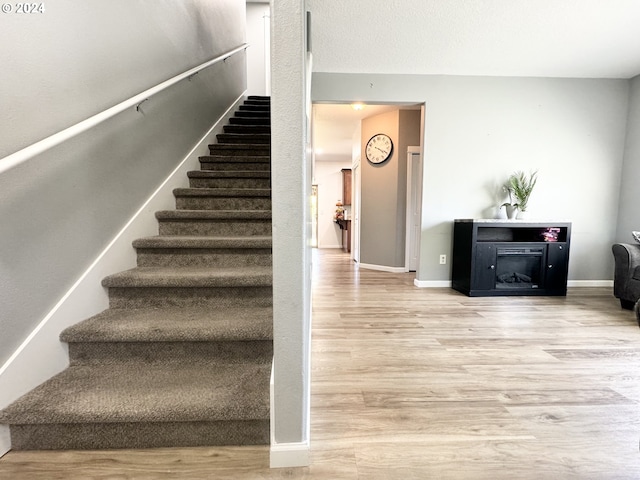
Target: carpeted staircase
(182,357)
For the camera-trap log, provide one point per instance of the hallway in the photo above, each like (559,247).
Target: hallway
(412,383)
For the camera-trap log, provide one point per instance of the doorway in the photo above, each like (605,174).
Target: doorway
(337,138)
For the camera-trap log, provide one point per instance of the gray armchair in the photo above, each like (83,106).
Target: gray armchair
(626,279)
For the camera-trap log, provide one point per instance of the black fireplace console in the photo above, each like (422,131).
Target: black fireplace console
(510,257)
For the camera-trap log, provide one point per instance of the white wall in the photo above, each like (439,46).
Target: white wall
(480,129)
(60,209)
(258,53)
(328,177)
(629,216)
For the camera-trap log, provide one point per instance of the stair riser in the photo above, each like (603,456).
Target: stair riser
(220,165)
(254,108)
(250,113)
(230,183)
(101,353)
(243,138)
(248,129)
(250,121)
(215,228)
(239,150)
(184,257)
(223,203)
(143,297)
(76,436)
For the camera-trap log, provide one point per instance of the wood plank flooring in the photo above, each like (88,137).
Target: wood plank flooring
(412,383)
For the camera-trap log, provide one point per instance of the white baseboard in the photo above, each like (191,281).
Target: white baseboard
(285,455)
(41,355)
(590,283)
(5,440)
(382,268)
(432,283)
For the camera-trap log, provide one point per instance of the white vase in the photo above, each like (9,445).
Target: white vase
(511,211)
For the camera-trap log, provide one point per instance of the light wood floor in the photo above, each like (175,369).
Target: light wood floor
(412,383)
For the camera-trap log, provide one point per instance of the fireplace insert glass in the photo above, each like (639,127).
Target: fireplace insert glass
(519,267)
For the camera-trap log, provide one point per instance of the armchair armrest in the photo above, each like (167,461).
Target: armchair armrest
(627,258)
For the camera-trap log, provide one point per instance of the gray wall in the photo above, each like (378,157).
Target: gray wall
(629,215)
(384,189)
(59,210)
(480,129)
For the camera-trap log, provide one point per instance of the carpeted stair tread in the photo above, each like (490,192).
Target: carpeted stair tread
(213,214)
(247,129)
(186,241)
(220,177)
(231,158)
(193,324)
(194,277)
(178,392)
(258,147)
(222,192)
(250,121)
(257,102)
(228,174)
(244,138)
(215,223)
(255,106)
(253,113)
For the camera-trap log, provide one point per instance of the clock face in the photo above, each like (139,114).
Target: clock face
(379,148)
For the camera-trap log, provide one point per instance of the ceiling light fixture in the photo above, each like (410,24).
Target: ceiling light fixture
(357,106)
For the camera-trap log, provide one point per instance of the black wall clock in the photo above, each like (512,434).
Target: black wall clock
(379,148)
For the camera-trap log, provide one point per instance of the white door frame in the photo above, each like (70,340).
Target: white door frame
(414,191)
(355,210)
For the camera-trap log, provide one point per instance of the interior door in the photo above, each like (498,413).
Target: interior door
(414,209)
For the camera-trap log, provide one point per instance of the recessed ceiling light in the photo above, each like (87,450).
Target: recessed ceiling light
(357,106)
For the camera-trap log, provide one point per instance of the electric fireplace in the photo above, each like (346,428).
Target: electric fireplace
(492,257)
(519,267)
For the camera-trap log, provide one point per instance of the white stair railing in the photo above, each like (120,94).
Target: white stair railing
(37,148)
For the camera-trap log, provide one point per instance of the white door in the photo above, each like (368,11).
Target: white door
(414,209)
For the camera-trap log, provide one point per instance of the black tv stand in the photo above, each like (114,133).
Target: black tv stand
(510,257)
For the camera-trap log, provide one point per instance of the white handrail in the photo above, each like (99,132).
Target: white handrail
(31,151)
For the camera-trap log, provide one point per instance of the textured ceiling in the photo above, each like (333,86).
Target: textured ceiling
(541,38)
(531,38)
